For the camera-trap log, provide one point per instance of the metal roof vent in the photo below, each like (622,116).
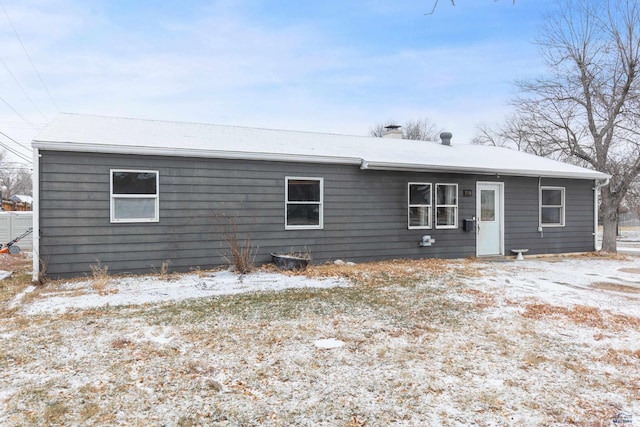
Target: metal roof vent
(446,138)
(392,131)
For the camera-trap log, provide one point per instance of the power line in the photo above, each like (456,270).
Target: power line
(13,151)
(26,146)
(17,113)
(21,88)
(29,57)
(14,141)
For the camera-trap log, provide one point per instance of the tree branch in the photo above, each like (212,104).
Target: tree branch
(453,3)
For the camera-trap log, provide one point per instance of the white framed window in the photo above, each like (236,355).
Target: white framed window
(420,205)
(303,203)
(446,205)
(134,195)
(552,206)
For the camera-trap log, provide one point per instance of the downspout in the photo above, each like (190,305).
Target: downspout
(35,178)
(596,189)
(540,207)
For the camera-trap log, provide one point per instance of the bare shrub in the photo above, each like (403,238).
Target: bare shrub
(240,253)
(163,271)
(100,277)
(164,268)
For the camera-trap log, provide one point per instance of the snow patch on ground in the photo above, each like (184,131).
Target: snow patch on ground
(150,289)
(328,344)
(559,281)
(18,298)
(569,281)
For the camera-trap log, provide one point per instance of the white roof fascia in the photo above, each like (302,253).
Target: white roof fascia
(487,171)
(185,152)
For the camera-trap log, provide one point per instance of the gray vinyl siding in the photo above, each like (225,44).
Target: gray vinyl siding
(521,212)
(365,214)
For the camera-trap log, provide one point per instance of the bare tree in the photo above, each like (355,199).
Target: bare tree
(15,179)
(523,133)
(514,133)
(420,130)
(586,109)
(631,202)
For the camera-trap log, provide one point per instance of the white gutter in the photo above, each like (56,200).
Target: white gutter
(36,215)
(597,187)
(365,164)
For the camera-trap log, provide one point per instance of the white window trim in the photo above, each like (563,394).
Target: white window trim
(320,225)
(435,210)
(562,207)
(112,197)
(409,206)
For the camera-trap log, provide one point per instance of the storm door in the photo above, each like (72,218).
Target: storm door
(489,219)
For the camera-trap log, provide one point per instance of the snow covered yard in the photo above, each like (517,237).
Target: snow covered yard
(426,343)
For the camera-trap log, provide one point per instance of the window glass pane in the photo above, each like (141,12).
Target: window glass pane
(303,214)
(134,183)
(447,195)
(551,215)
(419,216)
(446,216)
(419,194)
(487,205)
(552,197)
(303,191)
(132,208)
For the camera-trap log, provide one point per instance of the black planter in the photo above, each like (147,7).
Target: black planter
(289,262)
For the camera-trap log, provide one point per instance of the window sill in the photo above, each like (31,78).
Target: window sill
(129,221)
(303,227)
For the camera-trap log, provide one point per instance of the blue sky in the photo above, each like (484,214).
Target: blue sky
(331,66)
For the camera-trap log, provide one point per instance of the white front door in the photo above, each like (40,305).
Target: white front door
(489,218)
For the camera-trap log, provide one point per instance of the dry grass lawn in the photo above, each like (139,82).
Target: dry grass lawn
(424,346)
